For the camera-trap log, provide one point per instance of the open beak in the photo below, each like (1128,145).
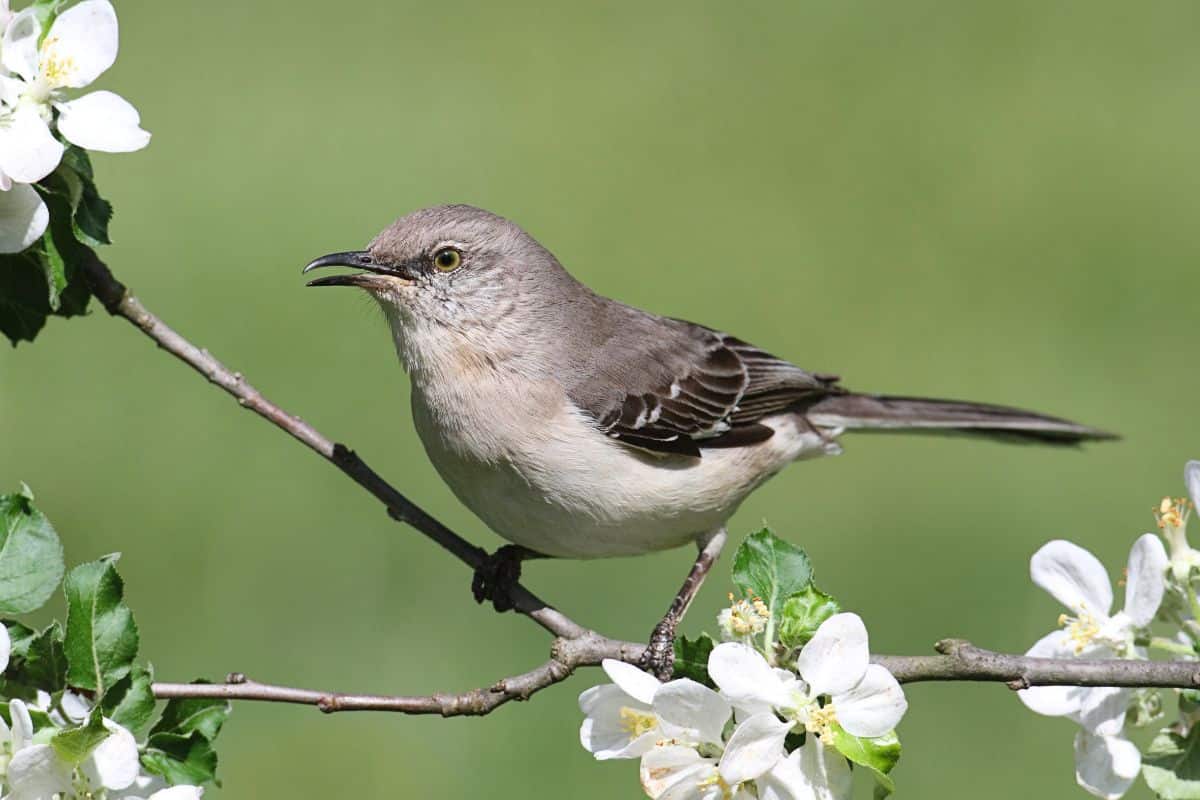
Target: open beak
(358,259)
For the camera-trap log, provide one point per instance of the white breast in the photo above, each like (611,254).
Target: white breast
(531,466)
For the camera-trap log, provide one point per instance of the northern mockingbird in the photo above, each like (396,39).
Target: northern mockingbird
(578,427)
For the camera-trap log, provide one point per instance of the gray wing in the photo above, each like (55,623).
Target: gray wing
(670,386)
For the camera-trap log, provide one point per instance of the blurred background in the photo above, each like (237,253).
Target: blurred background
(991,201)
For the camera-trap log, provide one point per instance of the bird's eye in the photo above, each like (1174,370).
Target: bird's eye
(447,259)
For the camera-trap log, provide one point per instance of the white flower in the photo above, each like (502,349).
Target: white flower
(691,713)
(152,787)
(80,45)
(1077,579)
(1105,766)
(812,772)
(1172,517)
(5,639)
(675,772)
(863,698)
(38,772)
(619,721)
(743,619)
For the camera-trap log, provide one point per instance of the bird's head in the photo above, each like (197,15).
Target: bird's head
(455,266)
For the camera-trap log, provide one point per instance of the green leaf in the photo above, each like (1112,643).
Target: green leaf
(803,613)
(130,701)
(91,213)
(31,559)
(1171,765)
(73,745)
(188,715)
(23,303)
(102,638)
(691,658)
(770,568)
(20,637)
(41,663)
(180,759)
(878,754)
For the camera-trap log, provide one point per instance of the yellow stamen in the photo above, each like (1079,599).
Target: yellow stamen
(635,722)
(716,780)
(1172,513)
(1081,630)
(821,722)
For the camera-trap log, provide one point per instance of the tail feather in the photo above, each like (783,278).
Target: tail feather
(917,414)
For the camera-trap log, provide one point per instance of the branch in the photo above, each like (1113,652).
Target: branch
(960,661)
(574,645)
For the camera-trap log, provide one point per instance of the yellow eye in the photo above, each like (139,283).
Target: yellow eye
(447,259)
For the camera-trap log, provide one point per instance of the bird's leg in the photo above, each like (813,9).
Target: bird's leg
(495,576)
(659,657)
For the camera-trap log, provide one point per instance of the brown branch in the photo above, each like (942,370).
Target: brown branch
(960,661)
(574,645)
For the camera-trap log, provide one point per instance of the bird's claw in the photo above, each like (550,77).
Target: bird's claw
(495,577)
(659,656)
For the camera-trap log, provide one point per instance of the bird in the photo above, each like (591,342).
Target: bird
(576,426)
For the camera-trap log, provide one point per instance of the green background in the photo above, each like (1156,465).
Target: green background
(991,201)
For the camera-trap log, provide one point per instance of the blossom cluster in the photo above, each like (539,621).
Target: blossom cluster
(1160,589)
(40,67)
(762,731)
(33,768)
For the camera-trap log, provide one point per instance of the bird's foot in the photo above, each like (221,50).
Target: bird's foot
(659,656)
(495,578)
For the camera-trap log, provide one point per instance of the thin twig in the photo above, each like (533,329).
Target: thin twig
(574,646)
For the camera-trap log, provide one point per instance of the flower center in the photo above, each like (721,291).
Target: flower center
(635,722)
(744,617)
(821,721)
(54,69)
(1081,630)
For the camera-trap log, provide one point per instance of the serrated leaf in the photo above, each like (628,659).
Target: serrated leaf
(691,658)
(102,638)
(130,701)
(770,568)
(802,613)
(878,754)
(54,267)
(180,759)
(42,664)
(19,637)
(91,213)
(73,745)
(1171,765)
(186,715)
(31,559)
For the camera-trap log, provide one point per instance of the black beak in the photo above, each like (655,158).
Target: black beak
(359,259)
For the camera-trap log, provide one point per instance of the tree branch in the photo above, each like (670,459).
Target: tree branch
(574,645)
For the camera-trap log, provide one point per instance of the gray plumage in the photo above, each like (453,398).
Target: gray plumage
(540,401)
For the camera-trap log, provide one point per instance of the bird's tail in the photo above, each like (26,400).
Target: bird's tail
(923,415)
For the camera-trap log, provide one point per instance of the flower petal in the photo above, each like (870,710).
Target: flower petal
(813,772)
(181,792)
(1146,579)
(1191,477)
(102,121)
(747,680)
(5,647)
(1073,576)
(1105,765)
(28,151)
(82,42)
(755,747)
(667,770)
(697,711)
(19,47)
(1102,709)
(36,771)
(639,685)
(23,218)
(114,763)
(604,732)
(22,724)
(835,659)
(874,706)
